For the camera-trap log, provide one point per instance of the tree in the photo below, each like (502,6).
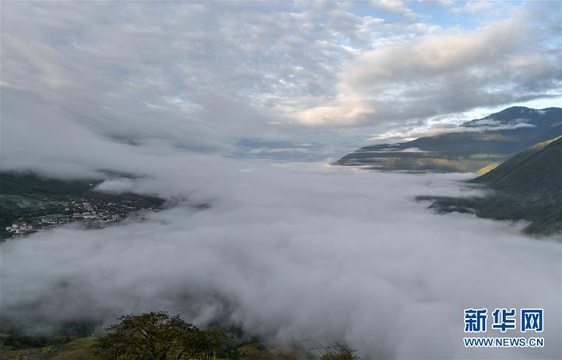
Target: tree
(157,336)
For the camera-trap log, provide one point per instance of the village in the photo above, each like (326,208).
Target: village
(93,213)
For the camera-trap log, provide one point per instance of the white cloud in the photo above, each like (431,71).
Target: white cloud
(442,73)
(203,76)
(289,250)
(394,6)
(477,6)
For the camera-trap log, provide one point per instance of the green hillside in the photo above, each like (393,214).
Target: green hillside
(537,169)
(527,187)
(30,184)
(474,145)
(77,349)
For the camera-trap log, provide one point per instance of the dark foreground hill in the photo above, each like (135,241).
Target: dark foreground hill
(526,187)
(475,145)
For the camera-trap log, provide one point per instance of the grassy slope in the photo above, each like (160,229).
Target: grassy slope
(80,349)
(527,187)
(537,169)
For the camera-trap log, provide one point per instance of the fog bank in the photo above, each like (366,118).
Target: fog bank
(291,251)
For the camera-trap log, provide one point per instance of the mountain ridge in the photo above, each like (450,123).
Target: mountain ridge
(527,187)
(479,142)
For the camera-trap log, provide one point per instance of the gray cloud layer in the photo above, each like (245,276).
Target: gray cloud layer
(206,75)
(288,250)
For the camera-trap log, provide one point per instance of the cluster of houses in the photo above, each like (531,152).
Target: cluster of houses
(57,219)
(20,228)
(79,210)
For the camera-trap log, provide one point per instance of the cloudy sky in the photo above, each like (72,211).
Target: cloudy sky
(259,78)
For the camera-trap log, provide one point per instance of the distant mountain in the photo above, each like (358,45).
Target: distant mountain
(528,186)
(475,145)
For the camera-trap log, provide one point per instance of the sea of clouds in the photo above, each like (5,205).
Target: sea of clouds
(283,251)
(292,251)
